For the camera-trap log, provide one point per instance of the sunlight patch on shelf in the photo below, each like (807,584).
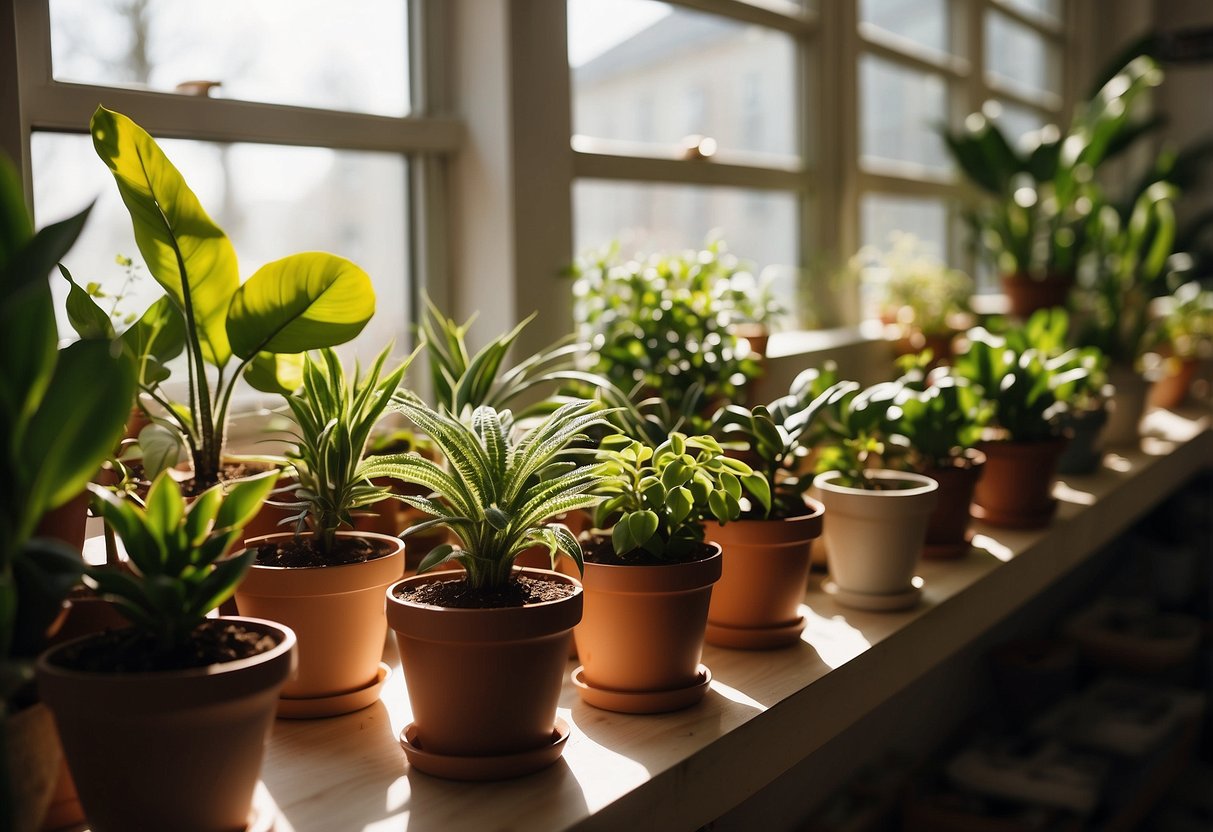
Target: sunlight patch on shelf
(1066,493)
(988,544)
(835,641)
(734,695)
(398,794)
(1118,463)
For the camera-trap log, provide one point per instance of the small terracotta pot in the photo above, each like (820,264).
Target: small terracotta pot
(764,569)
(1016,490)
(32,757)
(177,750)
(483,682)
(1170,391)
(948,527)
(1084,451)
(337,615)
(875,537)
(643,628)
(66,523)
(1027,294)
(135,422)
(1127,406)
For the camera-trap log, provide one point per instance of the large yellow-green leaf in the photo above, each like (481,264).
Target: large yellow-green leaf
(279,373)
(171,228)
(303,302)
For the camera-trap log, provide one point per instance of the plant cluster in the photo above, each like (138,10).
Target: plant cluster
(1187,327)
(659,497)
(498,493)
(178,571)
(920,291)
(936,416)
(855,424)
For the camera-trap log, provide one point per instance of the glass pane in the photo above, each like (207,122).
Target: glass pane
(881,217)
(760,227)
(925,23)
(1048,9)
(1020,56)
(271,200)
(900,108)
(654,74)
(302,52)
(1016,121)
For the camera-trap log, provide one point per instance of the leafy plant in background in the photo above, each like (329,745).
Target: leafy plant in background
(658,497)
(61,414)
(334,417)
(1187,327)
(663,322)
(855,424)
(299,303)
(498,493)
(920,291)
(177,569)
(936,416)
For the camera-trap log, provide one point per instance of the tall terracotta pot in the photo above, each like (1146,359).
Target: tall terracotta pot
(948,527)
(641,638)
(483,683)
(177,750)
(337,615)
(32,757)
(874,537)
(764,569)
(1027,294)
(1016,490)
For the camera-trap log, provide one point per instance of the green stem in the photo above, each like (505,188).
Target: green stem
(206,458)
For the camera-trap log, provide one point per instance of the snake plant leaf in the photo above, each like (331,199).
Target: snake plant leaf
(302,302)
(185,251)
(279,373)
(439,554)
(62,453)
(87,318)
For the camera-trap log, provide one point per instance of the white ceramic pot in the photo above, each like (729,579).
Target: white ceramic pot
(1127,406)
(874,537)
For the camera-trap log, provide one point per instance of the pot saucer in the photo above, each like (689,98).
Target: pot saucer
(1015,519)
(643,701)
(314,707)
(872,602)
(755,638)
(496,767)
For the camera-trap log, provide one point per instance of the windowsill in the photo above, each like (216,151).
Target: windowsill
(766,711)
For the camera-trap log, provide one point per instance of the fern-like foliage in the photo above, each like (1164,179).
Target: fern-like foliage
(498,493)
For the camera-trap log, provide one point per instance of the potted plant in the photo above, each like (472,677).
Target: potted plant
(164,723)
(1024,439)
(876,516)
(937,422)
(1185,339)
(301,302)
(766,551)
(648,580)
(484,651)
(325,583)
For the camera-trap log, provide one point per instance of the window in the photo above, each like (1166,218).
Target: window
(299,128)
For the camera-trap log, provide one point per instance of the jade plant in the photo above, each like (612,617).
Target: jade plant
(61,415)
(178,571)
(334,416)
(255,330)
(499,492)
(657,498)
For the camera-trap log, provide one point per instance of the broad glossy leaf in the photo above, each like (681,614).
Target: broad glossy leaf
(171,228)
(86,317)
(244,499)
(162,448)
(303,302)
(165,508)
(280,373)
(155,339)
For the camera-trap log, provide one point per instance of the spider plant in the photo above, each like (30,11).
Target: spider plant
(498,491)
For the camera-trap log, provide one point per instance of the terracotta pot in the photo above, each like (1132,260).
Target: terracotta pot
(875,537)
(1084,451)
(177,750)
(483,683)
(1170,390)
(643,633)
(32,756)
(1027,294)
(948,527)
(1127,406)
(337,615)
(764,570)
(1016,490)
(758,336)
(135,422)
(67,522)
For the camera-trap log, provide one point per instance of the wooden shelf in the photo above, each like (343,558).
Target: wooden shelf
(765,712)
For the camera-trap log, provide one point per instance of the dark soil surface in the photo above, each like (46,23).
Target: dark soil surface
(599,550)
(302,551)
(228,472)
(457,594)
(129,651)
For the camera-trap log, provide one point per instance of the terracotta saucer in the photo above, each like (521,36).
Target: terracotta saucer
(1015,520)
(872,602)
(646,701)
(314,707)
(498,767)
(755,638)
